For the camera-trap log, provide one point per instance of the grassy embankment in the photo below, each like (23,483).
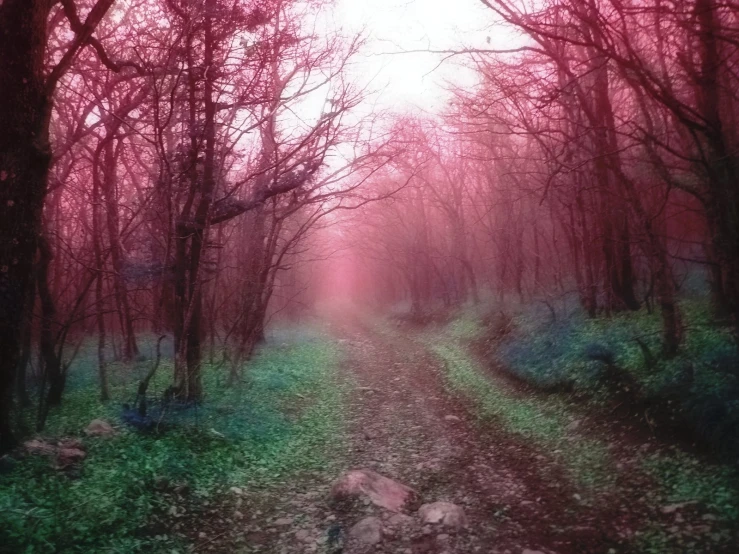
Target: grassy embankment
(281,421)
(556,358)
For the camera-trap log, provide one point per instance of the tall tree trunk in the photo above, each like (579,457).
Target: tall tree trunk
(109,188)
(722,164)
(53,371)
(25,158)
(537,254)
(26,351)
(99,297)
(192,325)
(619,270)
(24,164)
(183,306)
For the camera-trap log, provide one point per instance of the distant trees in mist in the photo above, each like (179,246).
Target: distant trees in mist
(600,158)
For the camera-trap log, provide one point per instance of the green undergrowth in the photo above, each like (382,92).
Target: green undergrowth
(280,421)
(544,420)
(545,348)
(683,479)
(698,388)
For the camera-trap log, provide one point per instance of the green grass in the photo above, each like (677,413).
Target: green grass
(281,421)
(680,477)
(543,423)
(684,478)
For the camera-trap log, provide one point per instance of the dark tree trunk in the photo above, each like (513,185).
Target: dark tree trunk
(24,165)
(722,164)
(53,371)
(619,270)
(189,329)
(99,296)
(25,157)
(109,188)
(26,350)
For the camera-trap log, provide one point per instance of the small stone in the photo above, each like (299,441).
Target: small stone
(71,443)
(451,418)
(573,426)
(99,428)
(443,513)
(69,456)
(373,488)
(283,521)
(672,508)
(236,490)
(367,531)
(528,551)
(303,535)
(399,520)
(36,446)
(441,537)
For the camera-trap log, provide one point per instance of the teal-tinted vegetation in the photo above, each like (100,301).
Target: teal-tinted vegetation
(699,387)
(281,420)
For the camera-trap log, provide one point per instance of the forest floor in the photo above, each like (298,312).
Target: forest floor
(535,473)
(533,476)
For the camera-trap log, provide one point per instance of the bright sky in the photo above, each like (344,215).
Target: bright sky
(414,80)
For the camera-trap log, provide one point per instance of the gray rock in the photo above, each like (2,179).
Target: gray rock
(367,531)
(99,428)
(573,426)
(443,513)
(399,520)
(372,487)
(37,446)
(69,456)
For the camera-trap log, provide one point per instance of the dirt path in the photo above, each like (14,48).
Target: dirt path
(408,427)
(403,424)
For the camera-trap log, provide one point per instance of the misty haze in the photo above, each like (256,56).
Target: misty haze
(352,277)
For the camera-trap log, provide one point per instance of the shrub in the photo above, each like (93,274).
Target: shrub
(608,357)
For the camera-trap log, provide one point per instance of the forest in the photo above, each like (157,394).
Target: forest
(249,304)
